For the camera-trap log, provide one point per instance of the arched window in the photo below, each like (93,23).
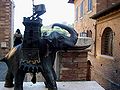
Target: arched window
(89,33)
(107,42)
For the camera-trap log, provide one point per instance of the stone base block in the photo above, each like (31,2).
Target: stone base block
(71,85)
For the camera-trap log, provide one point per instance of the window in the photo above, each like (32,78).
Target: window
(107,42)
(89,33)
(76,16)
(81,9)
(83,34)
(89,5)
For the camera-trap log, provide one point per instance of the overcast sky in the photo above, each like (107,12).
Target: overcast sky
(57,11)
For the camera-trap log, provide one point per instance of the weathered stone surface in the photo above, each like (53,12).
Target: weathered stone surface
(83,85)
(84,41)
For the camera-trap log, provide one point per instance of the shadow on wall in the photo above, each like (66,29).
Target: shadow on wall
(88,76)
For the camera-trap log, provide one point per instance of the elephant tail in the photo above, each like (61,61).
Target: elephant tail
(34,78)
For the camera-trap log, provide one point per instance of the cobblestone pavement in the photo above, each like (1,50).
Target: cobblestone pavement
(3,70)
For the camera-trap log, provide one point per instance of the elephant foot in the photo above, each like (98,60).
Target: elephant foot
(54,88)
(46,85)
(8,85)
(18,88)
(50,87)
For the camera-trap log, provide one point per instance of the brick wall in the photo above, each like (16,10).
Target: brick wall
(107,68)
(73,66)
(85,23)
(5,25)
(102,4)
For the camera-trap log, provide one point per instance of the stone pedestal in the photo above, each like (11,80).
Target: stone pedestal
(76,85)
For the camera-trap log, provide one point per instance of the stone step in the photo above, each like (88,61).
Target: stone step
(68,85)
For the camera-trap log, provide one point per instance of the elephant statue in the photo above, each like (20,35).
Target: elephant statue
(18,66)
(37,53)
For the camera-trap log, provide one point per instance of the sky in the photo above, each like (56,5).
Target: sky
(57,11)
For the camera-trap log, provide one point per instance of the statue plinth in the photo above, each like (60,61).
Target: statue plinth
(75,85)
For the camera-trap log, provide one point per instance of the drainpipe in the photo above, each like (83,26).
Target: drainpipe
(95,50)
(12,22)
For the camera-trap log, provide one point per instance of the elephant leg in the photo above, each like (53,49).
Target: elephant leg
(54,74)
(19,78)
(55,78)
(9,79)
(52,60)
(47,72)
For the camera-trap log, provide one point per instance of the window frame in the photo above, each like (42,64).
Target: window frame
(107,42)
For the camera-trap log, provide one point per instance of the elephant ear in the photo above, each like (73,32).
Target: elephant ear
(55,39)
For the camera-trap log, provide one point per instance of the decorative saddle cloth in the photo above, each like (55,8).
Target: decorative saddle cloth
(30,60)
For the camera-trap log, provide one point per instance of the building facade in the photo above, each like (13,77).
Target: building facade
(107,48)
(104,30)
(6,26)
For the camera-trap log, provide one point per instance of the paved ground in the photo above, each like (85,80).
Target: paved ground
(77,85)
(3,70)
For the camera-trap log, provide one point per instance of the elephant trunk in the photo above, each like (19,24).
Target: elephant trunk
(71,41)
